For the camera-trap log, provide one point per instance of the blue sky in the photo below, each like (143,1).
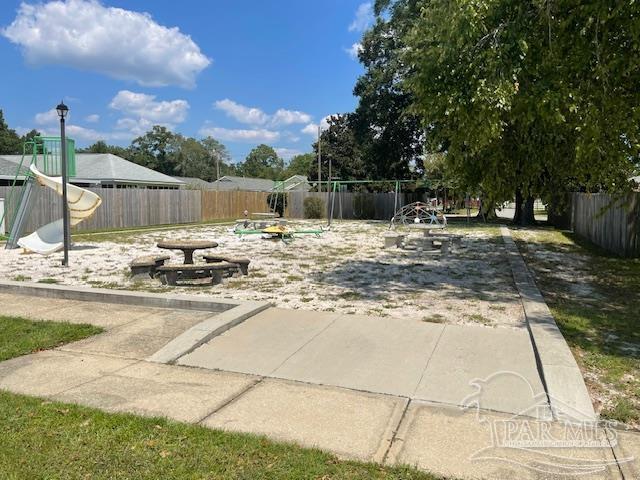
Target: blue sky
(244,71)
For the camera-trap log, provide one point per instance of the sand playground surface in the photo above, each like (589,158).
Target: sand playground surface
(345,270)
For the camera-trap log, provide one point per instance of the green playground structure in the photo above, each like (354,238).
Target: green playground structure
(45,154)
(285,235)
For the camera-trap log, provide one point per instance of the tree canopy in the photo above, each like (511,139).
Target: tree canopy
(301,165)
(527,97)
(262,162)
(389,133)
(10,142)
(340,147)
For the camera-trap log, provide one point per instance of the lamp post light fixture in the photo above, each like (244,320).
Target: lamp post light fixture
(62,110)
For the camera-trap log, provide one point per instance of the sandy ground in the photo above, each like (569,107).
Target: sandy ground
(345,270)
(554,260)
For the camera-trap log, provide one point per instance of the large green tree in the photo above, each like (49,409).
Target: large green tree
(528,97)
(340,148)
(301,165)
(10,142)
(155,150)
(220,157)
(262,162)
(102,147)
(389,133)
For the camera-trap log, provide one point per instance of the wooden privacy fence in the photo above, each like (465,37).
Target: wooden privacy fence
(133,207)
(613,224)
(121,208)
(353,205)
(232,204)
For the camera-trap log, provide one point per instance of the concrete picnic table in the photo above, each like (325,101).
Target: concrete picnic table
(187,247)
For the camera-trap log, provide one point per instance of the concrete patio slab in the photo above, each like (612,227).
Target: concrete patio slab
(167,323)
(627,451)
(495,367)
(408,358)
(101,314)
(119,344)
(383,355)
(453,443)
(261,343)
(52,372)
(184,394)
(21,306)
(205,330)
(351,424)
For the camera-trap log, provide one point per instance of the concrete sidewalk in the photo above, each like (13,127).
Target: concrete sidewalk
(355,386)
(403,357)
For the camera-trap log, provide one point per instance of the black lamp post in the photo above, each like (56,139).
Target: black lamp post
(62,110)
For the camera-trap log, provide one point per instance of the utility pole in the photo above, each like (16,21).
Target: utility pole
(217,158)
(319,161)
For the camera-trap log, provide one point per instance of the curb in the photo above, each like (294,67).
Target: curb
(205,331)
(122,297)
(560,374)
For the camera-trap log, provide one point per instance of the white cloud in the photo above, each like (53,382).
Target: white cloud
(240,135)
(136,126)
(312,128)
(290,136)
(142,111)
(50,117)
(85,135)
(256,116)
(250,115)
(148,108)
(120,43)
(288,117)
(90,135)
(364,18)
(287,153)
(354,50)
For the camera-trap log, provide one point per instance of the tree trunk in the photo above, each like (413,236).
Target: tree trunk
(524,216)
(487,211)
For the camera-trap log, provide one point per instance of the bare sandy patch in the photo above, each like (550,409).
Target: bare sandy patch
(345,270)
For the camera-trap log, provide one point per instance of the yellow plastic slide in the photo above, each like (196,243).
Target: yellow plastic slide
(82,204)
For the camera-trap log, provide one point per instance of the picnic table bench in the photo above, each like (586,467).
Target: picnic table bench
(147,264)
(444,242)
(454,237)
(242,263)
(177,274)
(393,240)
(187,247)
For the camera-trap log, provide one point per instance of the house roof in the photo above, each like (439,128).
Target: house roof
(106,167)
(9,168)
(197,183)
(229,182)
(109,167)
(296,182)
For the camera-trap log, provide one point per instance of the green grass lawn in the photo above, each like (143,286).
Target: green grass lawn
(41,439)
(125,235)
(595,299)
(19,336)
